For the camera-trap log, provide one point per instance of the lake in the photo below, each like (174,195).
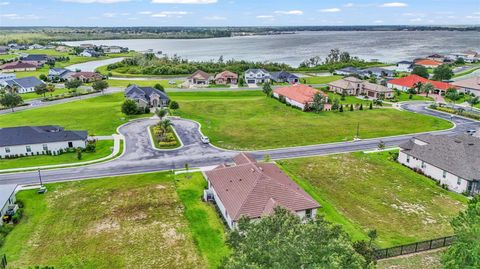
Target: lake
(388,46)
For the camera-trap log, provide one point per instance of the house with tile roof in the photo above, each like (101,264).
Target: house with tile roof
(411,81)
(147,96)
(22,85)
(468,85)
(199,78)
(428,63)
(226,78)
(452,161)
(298,95)
(354,86)
(36,140)
(17,66)
(251,189)
(85,76)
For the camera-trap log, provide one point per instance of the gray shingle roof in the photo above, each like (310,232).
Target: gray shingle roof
(136,92)
(282,75)
(27,135)
(459,155)
(26,82)
(35,57)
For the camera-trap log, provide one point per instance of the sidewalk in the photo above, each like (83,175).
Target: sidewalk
(116,149)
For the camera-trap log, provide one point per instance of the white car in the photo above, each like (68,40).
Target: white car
(205,140)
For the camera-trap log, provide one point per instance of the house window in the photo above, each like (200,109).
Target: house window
(444,174)
(408,159)
(308,213)
(459,181)
(423,164)
(7,150)
(45,147)
(29,149)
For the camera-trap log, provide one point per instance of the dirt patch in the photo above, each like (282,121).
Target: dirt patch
(106,225)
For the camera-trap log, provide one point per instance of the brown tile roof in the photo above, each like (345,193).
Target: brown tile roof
(225,75)
(428,62)
(254,189)
(199,74)
(17,65)
(86,75)
(470,83)
(300,93)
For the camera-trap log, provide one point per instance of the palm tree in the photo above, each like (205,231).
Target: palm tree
(164,125)
(50,88)
(161,113)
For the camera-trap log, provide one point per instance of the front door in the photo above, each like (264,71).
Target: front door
(70,144)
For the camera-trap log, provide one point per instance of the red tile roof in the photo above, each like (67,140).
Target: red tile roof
(226,74)
(428,62)
(300,93)
(412,80)
(254,189)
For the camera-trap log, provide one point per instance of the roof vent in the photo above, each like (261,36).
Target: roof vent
(253,170)
(239,179)
(458,141)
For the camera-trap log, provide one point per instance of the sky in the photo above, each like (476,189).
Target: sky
(237,12)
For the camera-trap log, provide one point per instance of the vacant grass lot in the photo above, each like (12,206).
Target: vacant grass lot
(142,83)
(98,115)
(104,148)
(430,260)
(369,191)
(207,228)
(133,221)
(249,120)
(319,80)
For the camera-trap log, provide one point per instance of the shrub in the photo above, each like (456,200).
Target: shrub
(129,107)
(17,216)
(91,146)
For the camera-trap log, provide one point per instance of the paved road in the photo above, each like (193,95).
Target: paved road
(140,157)
(92,65)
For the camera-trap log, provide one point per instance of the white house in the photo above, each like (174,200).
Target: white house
(256,76)
(7,200)
(468,85)
(22,85)
(254,190)
(7,76)
(404,66)
(37,140)
(453,161)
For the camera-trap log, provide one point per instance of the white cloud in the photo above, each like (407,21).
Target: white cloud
(109,15)
(330,10)
(95,1)
(184,1)
(15,16)
(349,5)
(215,18)
(473,17)
(165,14)
(4,3)
(265,17)
(394,4)
(416,20)
(145,12)
(378,21)
(289,12)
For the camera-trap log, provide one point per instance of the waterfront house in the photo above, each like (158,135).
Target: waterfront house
(436,57)
(428,63)
(36,140)
(59,73)
(257,76)
(22,85)
(226,77)
(253,190)
(147,96)
(348,71)
(89,53)
(468,85)
(377,72)
(199,78)
(452,161)
(299,95)
(284,77)
(18,66)
(7,200)
(35,59)
(4,50)
(404,66)
(411,81)
(85,76)
(355,86)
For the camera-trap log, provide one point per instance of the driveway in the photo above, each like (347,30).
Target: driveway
(141,157)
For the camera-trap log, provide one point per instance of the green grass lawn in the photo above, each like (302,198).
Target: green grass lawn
(142,83)
(116,73)
(349,100)
(8,56)
(249,120)
(104,148)
(136,221)
(207,228)
(36,73)
(369,191)
(319,80)
(430,260)
(58,91)
(405,97)
(98,115)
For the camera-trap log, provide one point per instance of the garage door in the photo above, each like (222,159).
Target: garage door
(251,81)
(371,94)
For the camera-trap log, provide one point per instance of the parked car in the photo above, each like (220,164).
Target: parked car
(205,140)
(471,132)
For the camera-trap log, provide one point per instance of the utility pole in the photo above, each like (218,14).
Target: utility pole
(358,130)
(40,178)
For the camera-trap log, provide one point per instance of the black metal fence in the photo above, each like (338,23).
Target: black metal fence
(414,247)
(3,262)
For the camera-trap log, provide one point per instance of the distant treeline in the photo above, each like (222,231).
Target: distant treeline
(44,35)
